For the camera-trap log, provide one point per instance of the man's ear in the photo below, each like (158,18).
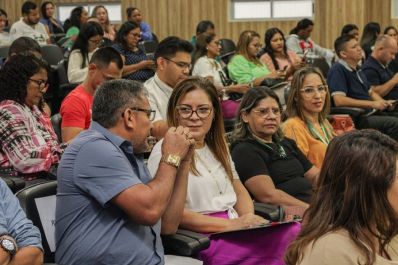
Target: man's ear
(92,68)
(342,54)
(160,62)
(129,119)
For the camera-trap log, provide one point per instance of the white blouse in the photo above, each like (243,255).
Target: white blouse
(209,192)
(206,66)
(77,74)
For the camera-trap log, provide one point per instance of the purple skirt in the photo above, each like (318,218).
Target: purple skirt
(251,247)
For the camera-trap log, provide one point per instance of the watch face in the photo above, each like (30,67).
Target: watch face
(7,244)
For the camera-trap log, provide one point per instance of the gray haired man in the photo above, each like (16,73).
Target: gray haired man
(108,206)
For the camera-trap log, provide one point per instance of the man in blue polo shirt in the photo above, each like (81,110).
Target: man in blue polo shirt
(376,68)
(108,206)
(349,87)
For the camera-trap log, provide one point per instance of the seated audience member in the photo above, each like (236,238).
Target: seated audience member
(101,13)
(300,42)
(134,15)
(204,26)
(384,82)
(20,240)
(349,87)
(29,145)
(307,108)
(108,206)
(276,56)
(350,29)
(271,167)
(216,200)
(393,32)
(106,64)
(25,46)
(205,64)
(353,216)
(137,66)
(54,25)
(245,67)
(87,42)
(5,38)
(369,35)
(78,17)
(173,60)
(29,25)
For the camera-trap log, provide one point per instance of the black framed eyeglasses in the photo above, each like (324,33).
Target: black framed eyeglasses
(186,112)
(182,65)
(42,84)
(149,112)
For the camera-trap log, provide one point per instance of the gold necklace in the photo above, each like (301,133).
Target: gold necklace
(210,173)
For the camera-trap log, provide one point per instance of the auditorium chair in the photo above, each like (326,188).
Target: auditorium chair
(56,121)
(4,51)
(183,243)
(228,49)
(52,54)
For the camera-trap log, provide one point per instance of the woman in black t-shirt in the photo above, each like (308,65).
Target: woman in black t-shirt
(271,167)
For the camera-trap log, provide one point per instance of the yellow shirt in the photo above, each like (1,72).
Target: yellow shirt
(337,248)
(314,149)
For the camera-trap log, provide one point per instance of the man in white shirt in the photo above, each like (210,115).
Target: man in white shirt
(29,25)
(173,60)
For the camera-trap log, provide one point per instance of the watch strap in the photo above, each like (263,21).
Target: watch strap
(172,160)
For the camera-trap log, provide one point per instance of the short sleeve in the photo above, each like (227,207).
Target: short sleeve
(294,131)
(307,165)
(73,112)
(108,168)
(13,220)
(239,70)
(202,68)
(337,81)
(248,162)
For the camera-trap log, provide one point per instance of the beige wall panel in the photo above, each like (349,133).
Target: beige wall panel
(179,17)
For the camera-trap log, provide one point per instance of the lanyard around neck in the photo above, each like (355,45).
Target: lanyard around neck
(314,132)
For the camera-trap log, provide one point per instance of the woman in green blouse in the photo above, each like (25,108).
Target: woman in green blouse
(245,67)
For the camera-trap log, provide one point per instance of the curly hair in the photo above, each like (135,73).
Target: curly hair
(15,75)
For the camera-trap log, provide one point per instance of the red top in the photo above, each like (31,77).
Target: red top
(76,109)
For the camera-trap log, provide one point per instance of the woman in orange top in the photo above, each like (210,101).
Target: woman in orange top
(307,109)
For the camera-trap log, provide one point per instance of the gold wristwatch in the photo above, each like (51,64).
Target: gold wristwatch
(172,160)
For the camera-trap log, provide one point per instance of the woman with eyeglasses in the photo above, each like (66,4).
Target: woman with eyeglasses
(216,200)
(271,167)
(204,62)
(29,145)
(276,56)
(88,41)
(307,108)
(137,65)
(353,216)
(245,67)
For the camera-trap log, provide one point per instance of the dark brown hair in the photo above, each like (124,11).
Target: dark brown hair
(215,138)
(351,194)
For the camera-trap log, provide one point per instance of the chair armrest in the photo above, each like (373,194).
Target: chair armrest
(185,243)
(353,112)
(274,213)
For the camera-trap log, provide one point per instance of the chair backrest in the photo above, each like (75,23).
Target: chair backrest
(228,50)
(321,64)
(38,202)
(52,54)
(62,73)
(4,51)
(148,47)
(155,38)
(56,121)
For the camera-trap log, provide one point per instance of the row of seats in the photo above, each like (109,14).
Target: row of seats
(38,202)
